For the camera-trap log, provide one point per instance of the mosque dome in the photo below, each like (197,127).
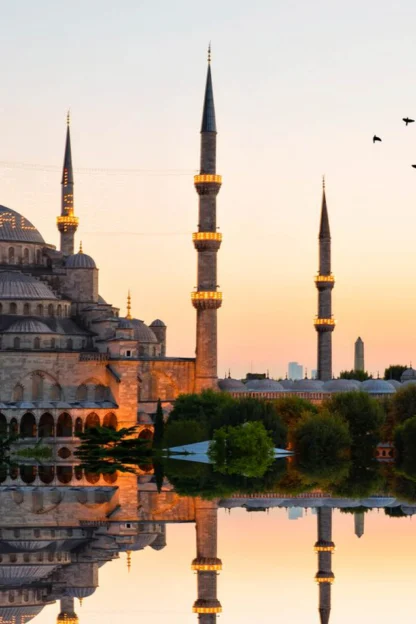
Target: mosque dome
(409,373)
(396,384)
(408,382)
(308,385)
(17,229)
(157,323)
(378,386)
(287,384)
(142,332)
(125,323)
(17,285)
(80,261)
(265,385)
(28,326)
(19,615)
(230,385)
(340,385)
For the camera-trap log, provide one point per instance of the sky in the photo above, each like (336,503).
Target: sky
(300,90)
(268,573)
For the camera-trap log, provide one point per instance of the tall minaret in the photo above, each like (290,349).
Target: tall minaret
(359,355)
(206,564)
(324,323)
(67,222)
(324,547)
(359,524)
(67,614)
(207,299)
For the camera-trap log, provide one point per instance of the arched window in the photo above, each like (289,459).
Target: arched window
(28,426)
(100,393)
(69,344)
(26,308)
(110,478)
(18,393)
(38,257)
(46,426)
(39,310)
(78,426)
(92,477)
(53,343)
(26,255)
(36,343)
(46,475)
(16,342)
(13,308)
(82,393)
(146,434)
(64,474)
(59,310)
(64,426)
(110,421)
(55,393)
(93,420)
(50,309)
(11,255)
(37,387)
(27,473)
(14,428)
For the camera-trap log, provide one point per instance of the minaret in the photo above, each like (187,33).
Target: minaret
(207,299)
(359,355)
(324,323)
(359,524)
(206,564)
(67,614)
(67,222)
(324,547)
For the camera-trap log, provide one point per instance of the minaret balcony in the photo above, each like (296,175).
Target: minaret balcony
(324,282)
(324,547)
(207,241)
(324,324)
(206,299)
(207,183)
(325,577)
(207,606)
(67,223)
(206,564)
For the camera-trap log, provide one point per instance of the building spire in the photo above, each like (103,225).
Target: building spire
(128,553)
(324,231)
(208,113)
(67,222)
(67,173)
(128,315)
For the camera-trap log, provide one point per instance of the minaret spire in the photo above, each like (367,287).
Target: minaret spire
(128,315)
(207,242)
(324,281)
(324,547)
(67,222)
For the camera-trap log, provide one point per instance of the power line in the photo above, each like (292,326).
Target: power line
(97,170)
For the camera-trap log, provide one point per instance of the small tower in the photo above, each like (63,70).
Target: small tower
(324,281)
(359,524)
(67,222)
(206,564)
(324,547)
(67,614)
(359,355)
(207,242)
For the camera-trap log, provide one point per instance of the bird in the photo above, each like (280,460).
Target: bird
(376,138)
(407,120)
(414,166)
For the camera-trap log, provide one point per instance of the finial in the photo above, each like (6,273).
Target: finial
(209,53)
(323,182)
(128,315)
(229,373)
(80,601)
(306,373)
(68,117)
(128,553)
(80,247)
(267,374)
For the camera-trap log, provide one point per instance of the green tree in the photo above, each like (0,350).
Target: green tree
(403,404)
(363,414)
(205,408)
(249,409)
(180,432)
(159,473)
(159,426)
(359,375)
(394,371)
(290,409)
(405,446)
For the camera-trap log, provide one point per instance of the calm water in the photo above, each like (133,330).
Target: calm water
(60,542)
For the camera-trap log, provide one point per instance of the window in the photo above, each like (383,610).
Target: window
(50,310)
(69,344)
(39,310)
(82,393)
(26,255)
(53,343)
(16,343)
(26,308)
(37,387)
(59,310)
(18,393)
(36,343)
(128,353)
(38,257)
(11,255)
(13,308)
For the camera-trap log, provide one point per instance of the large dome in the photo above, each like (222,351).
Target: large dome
(17,285)
(16,228)
(28,326)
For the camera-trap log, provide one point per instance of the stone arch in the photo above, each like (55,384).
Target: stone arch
(28,426)
(36,343)
(64,474)
(110,421)
(39,309)
(146,434)
(59,310)
(82,393)
(14,427)
(18,393)
(163,386)
(16,342)
(37,386)
(55,392)
(64,426)
(46,427)
(50,309)
(14,470)
(100,393)
(3,426)
(93,420)
(26,309)
(38,256)
(78,426)
(11,255)
(46,473)
(12,308)
(27,473)
(92,477)
(26,255)
(110,478)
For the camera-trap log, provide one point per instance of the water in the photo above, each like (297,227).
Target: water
(71,539)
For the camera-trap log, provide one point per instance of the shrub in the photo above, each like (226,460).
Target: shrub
(180,432)
(403,404)
(362,412)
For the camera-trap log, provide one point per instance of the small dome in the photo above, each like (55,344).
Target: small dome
(17,285)
(28,326)
(80,261)
(101,300)
(396,384)
(125,323)
(308,385)
(229,385)
(157,323)
(409,382)
(340,385)
(287,384)
(79,592)
(409,373)
(269,385)
(378,386)
(142,332)
(160,541)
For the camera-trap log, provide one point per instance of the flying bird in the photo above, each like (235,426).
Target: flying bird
(376,138)
(414,166)
(407,120)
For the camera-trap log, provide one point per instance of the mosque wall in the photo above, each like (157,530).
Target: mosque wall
(81,285)
(166,378)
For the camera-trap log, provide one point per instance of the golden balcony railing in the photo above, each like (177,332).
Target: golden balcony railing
(207,609)
(206,567)
(67,220)
(324,549)
(207,178)
(324,321)
(327,579)
(324,278)
(203,295)
(204,236)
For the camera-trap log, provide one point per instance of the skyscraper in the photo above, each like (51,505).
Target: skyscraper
(324,281)
(294,371)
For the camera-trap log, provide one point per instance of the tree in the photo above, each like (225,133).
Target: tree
(394,371)
(403,404)
(363,414)
(249,409)
(159,473)
(159,426)
(405,446)
(359,375)
(290,409)
(205,408)
(180,432)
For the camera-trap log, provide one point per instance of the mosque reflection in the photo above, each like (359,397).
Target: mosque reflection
(60,524)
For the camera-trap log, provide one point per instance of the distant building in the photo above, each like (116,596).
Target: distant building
(359,355)
(295,371)
(294,513)
(314,373)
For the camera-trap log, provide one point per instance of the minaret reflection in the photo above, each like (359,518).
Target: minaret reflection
(206,563)
(324,547)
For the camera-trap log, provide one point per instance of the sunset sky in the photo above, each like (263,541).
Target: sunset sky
(300,89)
